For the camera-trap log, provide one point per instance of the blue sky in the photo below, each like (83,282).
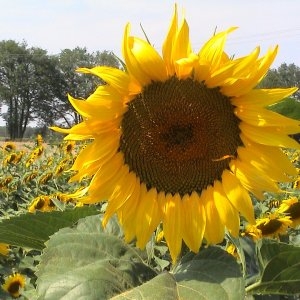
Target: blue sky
(99,24)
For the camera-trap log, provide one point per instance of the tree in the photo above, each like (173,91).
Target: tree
(28,79)
(34,85)
(284,76)
(76,84)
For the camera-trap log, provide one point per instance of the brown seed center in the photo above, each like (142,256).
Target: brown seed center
(178,136)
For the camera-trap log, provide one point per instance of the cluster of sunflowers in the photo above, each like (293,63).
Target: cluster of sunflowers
(40,172)
(278,215)
(33,179)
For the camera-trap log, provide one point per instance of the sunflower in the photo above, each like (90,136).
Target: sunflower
(4,249)
(39,140)
(291,207)
(10,159)
(272,225)
(69,147)
(9,146)
(42,203)
(45,178)
(13,284)
(182,139)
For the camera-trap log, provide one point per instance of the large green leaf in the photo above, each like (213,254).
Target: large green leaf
(88,262)
(162,287)
(32,230)
(280,265)
(211,274)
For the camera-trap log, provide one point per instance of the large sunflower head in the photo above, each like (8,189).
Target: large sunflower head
(182,138)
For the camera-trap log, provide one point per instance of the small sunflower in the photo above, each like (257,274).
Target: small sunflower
(39,140)
(291,207)
(69,146)
(253,232)
(10,159)
(37,152)
(30,177)
(296,184)
(9,146)
(41,203)
(273,225)
(181,139)
(46,177)
(4,249)
(14,284)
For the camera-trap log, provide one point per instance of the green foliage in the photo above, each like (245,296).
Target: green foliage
(284,76)
(34,85)
(29,78)
(290,107)
(91,264)
(67,253)
(279,263)
(33,230)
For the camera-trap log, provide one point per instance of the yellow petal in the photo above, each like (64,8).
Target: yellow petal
(268,136)
(169,43)
(231,69)
(103,111)
(214,229)
(142,60)
(101,149)
(252,180)
(118,79)
(242,86)
(181,47)
(148,216)
(228,214)
(194,227)
(173,218)
(185,66)
(262,97)
(263,163)
(211,53)
(105,93)
(269,154)
(80,129)
(123,190)
(238,196)
(127,213)
(104,181)
(264,117)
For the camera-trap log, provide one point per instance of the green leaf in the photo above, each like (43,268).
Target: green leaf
(162,286)
(89,262)
(211,274)
(280,269)
(32,230)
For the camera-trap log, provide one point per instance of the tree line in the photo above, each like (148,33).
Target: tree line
(34,85)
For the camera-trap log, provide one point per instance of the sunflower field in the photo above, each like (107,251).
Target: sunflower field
(179,183)
(48,238)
